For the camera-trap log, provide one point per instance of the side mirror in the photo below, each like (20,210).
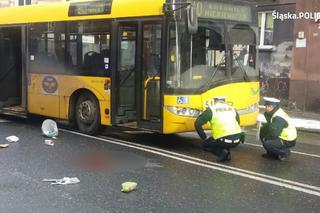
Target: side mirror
(191,20)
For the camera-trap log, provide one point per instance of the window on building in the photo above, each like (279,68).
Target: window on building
(265,30)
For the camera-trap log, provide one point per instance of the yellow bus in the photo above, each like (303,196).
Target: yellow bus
(136,63)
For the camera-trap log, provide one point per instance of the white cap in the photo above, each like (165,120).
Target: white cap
(219,98)
(271,101)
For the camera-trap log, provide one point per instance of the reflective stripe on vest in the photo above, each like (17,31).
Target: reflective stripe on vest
(223,121)
(289,133)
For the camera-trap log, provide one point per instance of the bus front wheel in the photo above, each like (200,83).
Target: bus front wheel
(88,113)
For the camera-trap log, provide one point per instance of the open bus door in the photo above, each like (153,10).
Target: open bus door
(136,95)
(12,70)
(125,97)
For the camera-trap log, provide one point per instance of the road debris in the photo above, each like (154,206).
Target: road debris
(4,145)
(49,128)
(49,142)
(12,139)
(63,181)
(128,186)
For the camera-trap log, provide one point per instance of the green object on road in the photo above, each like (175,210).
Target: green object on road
(128,186)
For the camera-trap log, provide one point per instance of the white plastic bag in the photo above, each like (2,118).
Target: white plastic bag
(12,139)
(63,181)
(49,128)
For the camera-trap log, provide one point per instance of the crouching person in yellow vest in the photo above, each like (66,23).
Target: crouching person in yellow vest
(279,134)
(225,129)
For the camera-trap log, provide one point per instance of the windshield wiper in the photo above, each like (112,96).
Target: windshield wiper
(245,75)
(214,73)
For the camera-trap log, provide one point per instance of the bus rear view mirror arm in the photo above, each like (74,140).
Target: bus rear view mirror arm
(184,12)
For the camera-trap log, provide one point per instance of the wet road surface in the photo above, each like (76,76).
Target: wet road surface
(186,180)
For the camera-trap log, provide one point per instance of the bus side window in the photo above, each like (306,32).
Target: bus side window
(47,48)
(89,48)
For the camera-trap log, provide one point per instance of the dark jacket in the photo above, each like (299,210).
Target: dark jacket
(271,131)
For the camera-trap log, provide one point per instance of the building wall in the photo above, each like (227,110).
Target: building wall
(305,72)
(275,63)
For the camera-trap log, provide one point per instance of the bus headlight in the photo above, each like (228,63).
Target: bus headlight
(184,111)
(248,110)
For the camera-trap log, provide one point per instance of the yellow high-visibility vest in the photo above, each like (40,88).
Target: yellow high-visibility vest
(289,133)
(223,121)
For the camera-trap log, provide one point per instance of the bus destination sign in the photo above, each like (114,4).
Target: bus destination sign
(225,11)
(90,8)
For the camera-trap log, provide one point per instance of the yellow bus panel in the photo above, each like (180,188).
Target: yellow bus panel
(247,107)
(59,11)
(47,102)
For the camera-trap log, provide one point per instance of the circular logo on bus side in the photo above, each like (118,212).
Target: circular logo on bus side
(49,84)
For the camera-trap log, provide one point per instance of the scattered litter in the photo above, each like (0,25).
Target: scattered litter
(12,139)
(128,186)
(49,142)
(63,181)
(4,145)
(49,128)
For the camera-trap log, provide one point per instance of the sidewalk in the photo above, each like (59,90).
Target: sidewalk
(306,121)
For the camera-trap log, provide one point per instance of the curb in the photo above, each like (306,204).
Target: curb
(301,129)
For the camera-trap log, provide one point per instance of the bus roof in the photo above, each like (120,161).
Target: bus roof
(59,11)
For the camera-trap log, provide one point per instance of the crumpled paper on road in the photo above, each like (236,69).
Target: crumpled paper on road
(63,181)
(12,139)
(4,145)
(128,186)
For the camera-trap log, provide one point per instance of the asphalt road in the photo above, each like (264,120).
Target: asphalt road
(172,172)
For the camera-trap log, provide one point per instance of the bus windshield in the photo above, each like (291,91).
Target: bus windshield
(218,53)
(242,52)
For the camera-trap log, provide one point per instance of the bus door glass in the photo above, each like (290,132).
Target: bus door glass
(10,69)
(126,74)
(151,53)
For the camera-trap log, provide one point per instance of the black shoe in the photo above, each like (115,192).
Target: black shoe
(223,156)
(285,156)
(228,157)
(282,157)
(289,153)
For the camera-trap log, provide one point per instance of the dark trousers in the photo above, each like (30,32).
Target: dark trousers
(217,146)
(278,146)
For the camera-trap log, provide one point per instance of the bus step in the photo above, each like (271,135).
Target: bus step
(14,111)
(129,124)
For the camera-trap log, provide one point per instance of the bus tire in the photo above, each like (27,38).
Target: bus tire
(87,113)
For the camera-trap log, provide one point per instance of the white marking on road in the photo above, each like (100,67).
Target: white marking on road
(4,121)
(212,163)
(295,152)
(309,189)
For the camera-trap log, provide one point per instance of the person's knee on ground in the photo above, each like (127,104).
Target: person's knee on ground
(268,146)
(275,152)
